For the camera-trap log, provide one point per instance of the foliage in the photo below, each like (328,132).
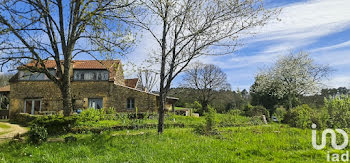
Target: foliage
(210,127)
(23,119)
(320,117)
(270,143)
(339,111)
(228,99)
(37,134)
(253,111)
(56,124)
(299,117)
(5,101)
(234,118)
(279,113)
(289,78)
(92,114)
(70,139)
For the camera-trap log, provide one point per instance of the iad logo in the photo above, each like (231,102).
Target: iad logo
(334,156)
(333,138)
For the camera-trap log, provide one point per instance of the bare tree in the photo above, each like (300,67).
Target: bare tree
(207,79)
(4,79)
(187,29)
(39,30)
(148,79)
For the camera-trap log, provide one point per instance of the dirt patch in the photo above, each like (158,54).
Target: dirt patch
(10,131)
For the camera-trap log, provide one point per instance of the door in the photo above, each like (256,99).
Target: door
(95,103)
(32,106)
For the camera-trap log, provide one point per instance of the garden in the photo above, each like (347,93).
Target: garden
(238,135)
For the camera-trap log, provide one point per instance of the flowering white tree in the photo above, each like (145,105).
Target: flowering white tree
(291,76)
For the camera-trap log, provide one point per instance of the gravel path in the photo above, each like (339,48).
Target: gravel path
(8,133)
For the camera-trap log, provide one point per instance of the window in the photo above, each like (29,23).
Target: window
(130,103)
(32,106)
(82,76)
(91,74)
(96,103)
(26,75)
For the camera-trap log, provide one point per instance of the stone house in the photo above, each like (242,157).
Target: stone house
(95,84)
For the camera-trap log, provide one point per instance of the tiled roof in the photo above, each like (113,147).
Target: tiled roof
(5,88)
(93,64)
(80,64)
(131,82)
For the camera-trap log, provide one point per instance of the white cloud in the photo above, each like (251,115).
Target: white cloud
(309,19)
(337,46)
(338,81)
(301,25)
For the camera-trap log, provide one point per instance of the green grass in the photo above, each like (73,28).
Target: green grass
(179,108)
(4,126)
(267,143)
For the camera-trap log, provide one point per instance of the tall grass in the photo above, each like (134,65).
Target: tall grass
(268,143)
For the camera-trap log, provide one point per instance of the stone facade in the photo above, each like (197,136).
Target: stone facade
(113,93)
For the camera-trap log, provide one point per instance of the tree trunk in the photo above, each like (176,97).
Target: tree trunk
(66,99)
(161,113)
(66,87)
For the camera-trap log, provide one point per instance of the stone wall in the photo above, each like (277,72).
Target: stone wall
(113,95)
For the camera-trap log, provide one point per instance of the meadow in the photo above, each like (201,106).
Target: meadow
(263,143)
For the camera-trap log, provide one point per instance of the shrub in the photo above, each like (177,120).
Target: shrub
(23,119)
(56,124)
(299,117)
(339,111)
(37,134)
(210,127)
(70,139)
(235,112)
(279,113)
(253,111)
(233,118)
(92,114)
(197,107)
(320,117)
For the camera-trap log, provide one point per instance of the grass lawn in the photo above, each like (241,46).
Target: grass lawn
(4,126)
(179,108)
(267,143)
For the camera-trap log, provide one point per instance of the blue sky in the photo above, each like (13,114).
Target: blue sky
(321,27)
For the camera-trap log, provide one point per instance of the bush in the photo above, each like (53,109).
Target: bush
(299,117)
(210,127)
(279,113)
(320,117)
(339,111)
(197,107)
(23,119)
(235,112)
(91,114)
(70,139)
(233,118)
(56,124)
(37,134)
(253,111)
